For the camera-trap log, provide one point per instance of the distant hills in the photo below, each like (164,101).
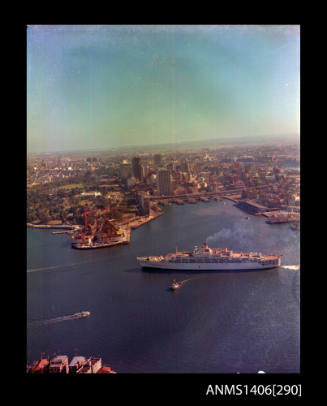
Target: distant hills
(215,142)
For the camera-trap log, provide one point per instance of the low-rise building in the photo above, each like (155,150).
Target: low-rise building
(106,370)
(59,364)
(76,363)
(96,364)
(86,369)
(40,367)
(95,194)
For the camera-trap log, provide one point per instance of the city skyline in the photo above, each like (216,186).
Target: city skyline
(102,87)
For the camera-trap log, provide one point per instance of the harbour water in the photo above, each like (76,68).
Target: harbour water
(217,322)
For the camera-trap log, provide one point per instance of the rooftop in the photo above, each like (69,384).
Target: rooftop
(106,370)
(76,360)
(58,359)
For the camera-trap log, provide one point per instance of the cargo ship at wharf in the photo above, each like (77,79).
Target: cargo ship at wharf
(91,243)
(103,233)
(215,259)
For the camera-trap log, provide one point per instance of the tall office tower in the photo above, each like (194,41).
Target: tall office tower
(145,170)
(164,182)
(157,159)
(145,205)
(185,166)
(125,170)
(137,168)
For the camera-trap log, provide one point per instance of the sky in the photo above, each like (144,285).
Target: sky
(103,87)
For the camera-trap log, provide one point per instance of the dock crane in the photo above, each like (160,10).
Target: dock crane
(109,227)
(85,218)
(102,228)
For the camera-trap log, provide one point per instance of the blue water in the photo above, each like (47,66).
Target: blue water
(218,322)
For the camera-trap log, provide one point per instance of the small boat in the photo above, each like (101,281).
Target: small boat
(81,315)
(175,285)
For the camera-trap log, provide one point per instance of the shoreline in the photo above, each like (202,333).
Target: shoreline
(54,226)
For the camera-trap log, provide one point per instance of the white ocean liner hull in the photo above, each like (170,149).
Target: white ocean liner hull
(206,266)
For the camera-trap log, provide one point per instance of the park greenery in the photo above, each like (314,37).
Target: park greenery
(63,203)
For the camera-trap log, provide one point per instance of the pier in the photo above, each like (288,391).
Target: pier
(63,232)
(55,226)
(138,222)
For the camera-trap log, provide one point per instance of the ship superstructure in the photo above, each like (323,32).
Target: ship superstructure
(205,258)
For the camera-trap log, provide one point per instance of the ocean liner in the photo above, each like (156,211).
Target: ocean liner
(215,259)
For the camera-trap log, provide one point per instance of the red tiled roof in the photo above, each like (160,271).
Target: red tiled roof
(106,370)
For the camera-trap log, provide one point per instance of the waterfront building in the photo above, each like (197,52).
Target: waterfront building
(164,182)
(145,203)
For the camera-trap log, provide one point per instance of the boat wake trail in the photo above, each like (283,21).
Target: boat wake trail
(184,281)
(47,268)
(292,267)
(190,279)
(58,319)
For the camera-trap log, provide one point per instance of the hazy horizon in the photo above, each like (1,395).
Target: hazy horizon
(105,87)
(187,145)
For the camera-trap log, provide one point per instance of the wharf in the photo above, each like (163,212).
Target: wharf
(127,239)
(63,232)
(233,199)
(55,226)
(270,214)
(143,220)
(280,216)
(164,202)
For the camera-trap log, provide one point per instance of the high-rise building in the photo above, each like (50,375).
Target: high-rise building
(137,168)
(157,159)
(164,182)
(145,205)
(185,167)
(125,170)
